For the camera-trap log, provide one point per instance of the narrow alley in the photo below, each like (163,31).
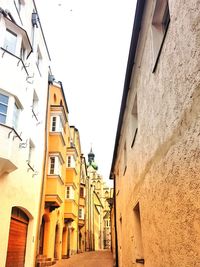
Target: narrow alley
(88,259)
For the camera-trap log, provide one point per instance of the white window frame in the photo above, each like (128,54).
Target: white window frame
(39,60)
(69,192)
(6,105)
(31,153)
(9,46)
(54,165)
(71,163)
(15,118)
(81,214)
(56,124)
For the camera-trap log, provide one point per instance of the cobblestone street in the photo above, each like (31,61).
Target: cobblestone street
(88,259)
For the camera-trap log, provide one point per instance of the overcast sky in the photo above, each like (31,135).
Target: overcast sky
(89,42)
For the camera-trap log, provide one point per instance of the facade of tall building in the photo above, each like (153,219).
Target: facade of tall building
(100,193)
(23,96)
(53,231)
(156,155)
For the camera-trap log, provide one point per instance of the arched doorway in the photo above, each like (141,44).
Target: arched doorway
(41,244)
(44,235)
(56,245)
(17,238)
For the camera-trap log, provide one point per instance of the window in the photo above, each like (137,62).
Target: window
(39,60)
(160,23)
(125,158)
(81,213)
(15,116)
(134,121)
(3,108)
(54,165)
(70,162)
(23,52)
(10,41)
(69,159)
(138,233)
(35,105)
(69,192)
(56,124)
(82,192)
(31,153)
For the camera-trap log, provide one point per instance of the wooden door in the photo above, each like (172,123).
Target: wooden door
(17,242)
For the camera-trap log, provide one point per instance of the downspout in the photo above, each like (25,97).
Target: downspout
(115,224)
(79,204)
(43,177)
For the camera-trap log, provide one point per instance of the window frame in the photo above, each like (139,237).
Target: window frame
(160,25)
(81,213)
(12,49)
(56,163)
(7,107)
(69,192)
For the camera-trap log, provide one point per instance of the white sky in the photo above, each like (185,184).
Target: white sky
(89,42)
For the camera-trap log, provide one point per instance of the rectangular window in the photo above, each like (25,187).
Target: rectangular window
(10,41)
(56,124)
(160,23)
(31,153)
(35,106)
(69,160)
(39,60)
(125,158)
(54,165)
(23,52)
(3,108)
(81,192)
(138,234)
(15,116)
(81,213)
(134,121)
(69,192)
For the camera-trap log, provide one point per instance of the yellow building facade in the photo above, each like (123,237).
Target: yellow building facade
(53,230)
(63,207)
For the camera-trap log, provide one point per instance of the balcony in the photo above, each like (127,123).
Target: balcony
(71,176)
(57,143)
(82,201)
(81,222)
(54,192)
(70,210)
(9,152)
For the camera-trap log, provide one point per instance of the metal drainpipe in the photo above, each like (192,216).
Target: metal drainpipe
(115,225)
(79,204)
(43,177)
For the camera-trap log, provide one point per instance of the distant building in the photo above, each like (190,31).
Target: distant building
(102,193)
(24,68)
(156,156)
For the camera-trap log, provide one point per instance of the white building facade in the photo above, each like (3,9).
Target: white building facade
(24,68)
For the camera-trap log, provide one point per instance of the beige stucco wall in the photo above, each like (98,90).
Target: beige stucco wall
(163,165)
